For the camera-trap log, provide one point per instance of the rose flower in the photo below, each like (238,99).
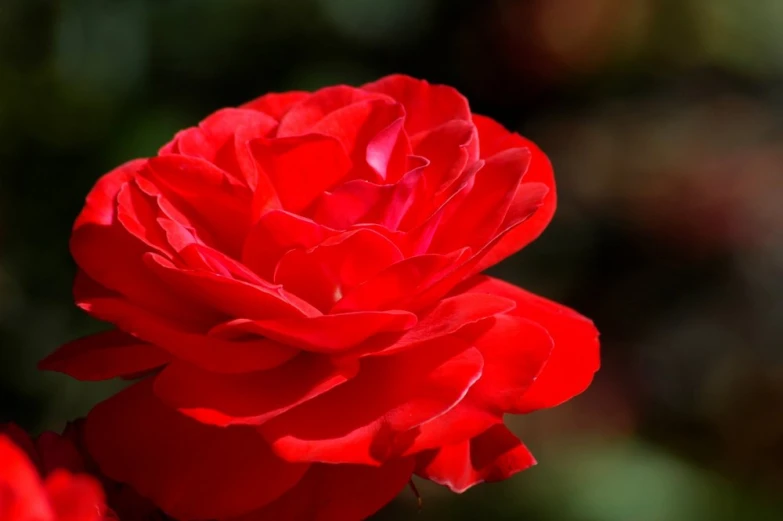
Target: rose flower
(296,283)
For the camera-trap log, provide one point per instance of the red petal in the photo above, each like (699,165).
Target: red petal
(398,285)
(515,351)
(484,209)
(22,440)
(465,421)
(362,201)
(21,486)
(75,498)
(276,232)
(449,152)
(99,206)
(57,452)
(418,239)
(139,214)
(361,421)
(470,265)
(338,493)
(426,106)
(330,333)
(306,114)
(350,203)
(249,398)
(213,199)
(190,470)
(387,151)
(219,128)
(104,356)
(322,274)
(276,104)
(447,317)
(493,139)
(575,354)
(222,139)
(494,455)
(209,352)
(235,157)
(229,296)
(126,504)
(210,259)
(111,256)
(300,168)
(450,148)
(371,133)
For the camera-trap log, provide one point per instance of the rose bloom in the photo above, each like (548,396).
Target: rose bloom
(296,283)
(60,496)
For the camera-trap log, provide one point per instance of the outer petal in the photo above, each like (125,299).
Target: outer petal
(515,351)
(427,106)
(304,115)
(338,493)
(466,420)
(575,354)
(99,205)
(223,138)
(104,356)
(190,470)
(450,149)
(111,256)
(139,214)
(418,239)
(471,265)
(212,198)
(494,138)
(249,398)
(211,352)
(276,104)
(482,212)
(371,131)
(494,455)
(362,420)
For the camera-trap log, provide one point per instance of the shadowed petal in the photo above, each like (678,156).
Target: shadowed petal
(190,470)
(104,356)
(338,493)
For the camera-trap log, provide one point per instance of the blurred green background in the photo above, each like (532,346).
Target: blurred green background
(663,118)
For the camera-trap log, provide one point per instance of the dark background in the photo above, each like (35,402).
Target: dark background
(663,118)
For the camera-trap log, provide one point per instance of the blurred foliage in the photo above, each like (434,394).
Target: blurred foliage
(663,118)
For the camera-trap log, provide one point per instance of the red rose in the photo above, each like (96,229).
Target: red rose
(298,282)
(60,496)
